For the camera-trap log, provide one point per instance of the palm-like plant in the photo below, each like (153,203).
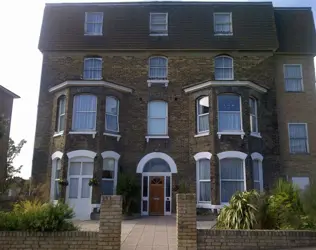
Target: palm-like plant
(240,213)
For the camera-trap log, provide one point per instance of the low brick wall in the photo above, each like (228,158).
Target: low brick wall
(49,241)
(254,239)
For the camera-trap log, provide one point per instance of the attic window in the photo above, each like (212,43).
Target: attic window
(223,24)
(93,25)
(158,24)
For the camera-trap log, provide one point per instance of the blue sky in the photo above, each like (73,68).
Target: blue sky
(21,64)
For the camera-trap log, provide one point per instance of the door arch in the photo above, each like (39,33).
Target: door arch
(156,169)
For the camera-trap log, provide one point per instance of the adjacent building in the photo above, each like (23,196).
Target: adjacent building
(6,104)
(218,96)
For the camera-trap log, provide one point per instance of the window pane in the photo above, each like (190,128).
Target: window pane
(111,105)
(168,206)
(111,123)
(228,103)
(204,169)
(298,146)
(108,168)
(298,138)
(293,85)
(58,168)
(255,168)
(256,186)
(61,123)
(75,168)
(156,165)
(145,186)
(157,126)
(252,106)
(167,186)
(56,191)
(253,124)
(158,109)
(293,71)
(73,187)
(298,131)
(205,191)
(158,18)
(84,112)
(229,121)
(158,66)
(203,105)
(145,204)
(85,188)
(203,123)
(222,18)
(229,188)
(232,168)
(107,187)
(87,168)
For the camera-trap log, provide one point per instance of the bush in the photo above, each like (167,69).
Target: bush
(240,213)
(129,189)
(38,217)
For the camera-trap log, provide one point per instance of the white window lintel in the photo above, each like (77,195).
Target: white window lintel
(232,154)
(202,155)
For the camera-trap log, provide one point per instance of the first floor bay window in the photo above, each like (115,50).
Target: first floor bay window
(157,118)
(232,177)
(204,180)
(229,113)
(84,113)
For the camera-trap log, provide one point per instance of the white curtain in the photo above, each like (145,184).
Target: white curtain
(94,23)
(293,78)
(232,177)
(111,116)
(84,115)
(157,118)
(223,68)
(222,23)
(298,138)
(229,113)
(203,114)
(204,179)
(158,67)
(92,69)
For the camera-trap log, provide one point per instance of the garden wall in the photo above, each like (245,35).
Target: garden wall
(108,237)
(254,239)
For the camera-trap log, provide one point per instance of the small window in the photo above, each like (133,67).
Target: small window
(57,178)
(257,175)
(92,69)
(232,177)
(202,114)
(298,138)
(293,78)
(112,114)
(61,114)
(224,68)
(253,115)
(158,68)
(159,24)
(93,23)
(204,180)
(84,113)
(157,118)
(229,113)
(223,24)
(108,176)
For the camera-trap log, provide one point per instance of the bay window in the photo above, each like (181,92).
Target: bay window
(229,113)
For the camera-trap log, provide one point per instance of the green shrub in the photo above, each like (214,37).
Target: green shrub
(38,217)
(240,213)
(129,189)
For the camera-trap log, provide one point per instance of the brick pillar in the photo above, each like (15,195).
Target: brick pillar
(186,222)
(110,222)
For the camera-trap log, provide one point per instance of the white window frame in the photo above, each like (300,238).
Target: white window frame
(57,156)
(255,115)
(152,32)
(60,114)
(201,115)
(94,69)
(116,115)
(75,111)
(86,32)
(301,78)
(154,78)
(231,154)
(216,33)
(307,138)
(115,156)
(202,156)
(232,67)
(231,132)
(258,157)
(154,117)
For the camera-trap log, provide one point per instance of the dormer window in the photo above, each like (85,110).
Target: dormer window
(93,25)
(158,24)
(223,24)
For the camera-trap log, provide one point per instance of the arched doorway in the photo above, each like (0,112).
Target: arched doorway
(156,169)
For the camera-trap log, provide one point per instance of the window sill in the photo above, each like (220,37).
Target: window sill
(202,134)
(93,34)
(241,133)
(258,135)
(118,137)
(92,79)
(93,133)
(208,205)
(156,137)
(223,34)
(158,34)
(157,81)
(61,133)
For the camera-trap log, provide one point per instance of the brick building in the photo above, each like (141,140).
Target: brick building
(6,104)
(218,96)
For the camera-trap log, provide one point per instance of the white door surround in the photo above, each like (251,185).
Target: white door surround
(166,174)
